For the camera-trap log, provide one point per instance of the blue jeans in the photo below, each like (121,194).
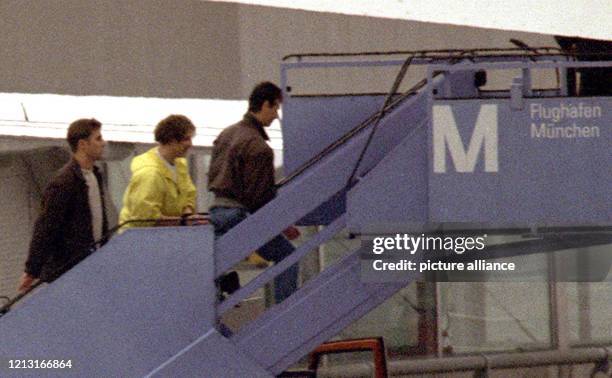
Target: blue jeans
(285,284)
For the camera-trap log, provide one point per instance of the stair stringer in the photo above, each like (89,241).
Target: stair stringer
(314,314)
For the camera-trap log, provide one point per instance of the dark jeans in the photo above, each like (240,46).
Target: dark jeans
(224,218)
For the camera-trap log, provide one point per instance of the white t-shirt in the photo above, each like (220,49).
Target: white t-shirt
(171,167)
(95,202)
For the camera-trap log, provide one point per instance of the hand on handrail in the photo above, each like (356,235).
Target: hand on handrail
(184,220)
(291,233)
(26,282)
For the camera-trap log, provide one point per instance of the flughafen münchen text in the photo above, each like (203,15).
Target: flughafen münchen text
(551,122)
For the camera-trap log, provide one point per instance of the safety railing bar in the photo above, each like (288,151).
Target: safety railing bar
(467,363)
(422,53)
(534,247)
(388,99)
(352,64)
(517,64)
(423,61)
(500,361)
(435,230)
(321,237)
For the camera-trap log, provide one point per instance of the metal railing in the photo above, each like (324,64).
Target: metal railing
(484,364)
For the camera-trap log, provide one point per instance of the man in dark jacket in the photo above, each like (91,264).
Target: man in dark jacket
(241,176)
(72,216)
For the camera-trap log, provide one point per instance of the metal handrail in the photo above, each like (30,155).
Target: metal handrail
(482,362)
(437,54)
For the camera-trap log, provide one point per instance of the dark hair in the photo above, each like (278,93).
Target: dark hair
(81,129)
(173,128)
(263,92)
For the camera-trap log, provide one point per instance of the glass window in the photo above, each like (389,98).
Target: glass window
(396,320)
(590,303)
(494,316)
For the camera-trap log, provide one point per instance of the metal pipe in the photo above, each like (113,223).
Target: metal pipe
(501,361)
(443,52)
(474,363)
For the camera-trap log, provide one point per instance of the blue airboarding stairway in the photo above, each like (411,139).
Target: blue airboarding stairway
(144,304)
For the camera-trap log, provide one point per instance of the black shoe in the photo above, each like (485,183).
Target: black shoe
(228,283)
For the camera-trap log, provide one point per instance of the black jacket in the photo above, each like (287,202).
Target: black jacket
(63,233)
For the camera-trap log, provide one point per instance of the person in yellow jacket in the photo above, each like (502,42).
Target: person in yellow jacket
(160,187)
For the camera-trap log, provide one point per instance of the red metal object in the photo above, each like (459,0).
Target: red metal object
(376,345)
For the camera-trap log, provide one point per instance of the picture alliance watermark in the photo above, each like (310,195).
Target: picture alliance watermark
(463,257)
(428,253)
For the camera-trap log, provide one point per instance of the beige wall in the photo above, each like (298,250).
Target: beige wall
(292,31)
(18,198)
(190,48)
(151,48)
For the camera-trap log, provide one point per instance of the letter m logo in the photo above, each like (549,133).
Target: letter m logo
(446,133)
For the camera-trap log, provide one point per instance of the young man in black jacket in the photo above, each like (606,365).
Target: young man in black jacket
(241,176)
(72,216)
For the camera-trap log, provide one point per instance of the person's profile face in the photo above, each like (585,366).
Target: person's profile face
(269,112)
(94,145)
(182,146)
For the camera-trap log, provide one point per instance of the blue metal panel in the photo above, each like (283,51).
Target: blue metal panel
(536,179)
(121,312)
(312,123)
(398,123)
(459,85)
(395,191)
(212,355)
(545,173)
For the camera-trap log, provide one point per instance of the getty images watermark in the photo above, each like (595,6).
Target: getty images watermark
(440,257)
(411,244)
(408,245)
(402,256)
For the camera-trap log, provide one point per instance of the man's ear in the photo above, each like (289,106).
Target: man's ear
(80,144)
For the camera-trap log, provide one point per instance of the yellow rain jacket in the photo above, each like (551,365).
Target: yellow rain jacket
(153,190)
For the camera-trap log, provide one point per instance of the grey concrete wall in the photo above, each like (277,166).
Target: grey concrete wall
(269,34)
(151,48)
(17,202)
(190,48)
